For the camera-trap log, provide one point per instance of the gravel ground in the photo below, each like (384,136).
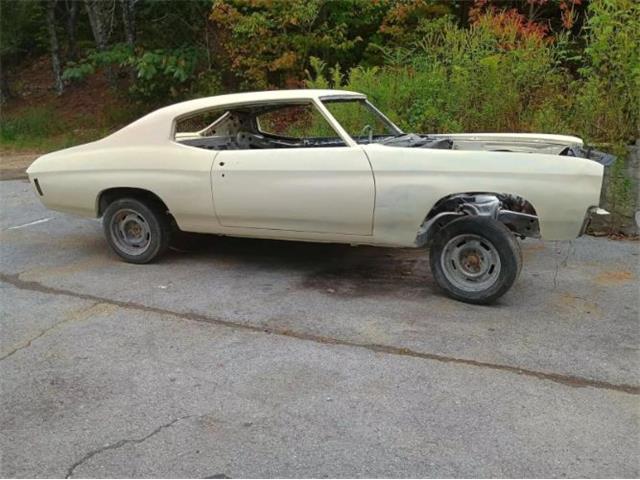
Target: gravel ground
(247,358)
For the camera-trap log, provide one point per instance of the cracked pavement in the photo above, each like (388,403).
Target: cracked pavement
(247,358)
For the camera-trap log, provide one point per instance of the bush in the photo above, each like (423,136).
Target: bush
(486,78)
(505,74)
(608,102)
(157,74)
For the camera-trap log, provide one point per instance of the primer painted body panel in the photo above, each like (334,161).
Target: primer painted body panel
(371,194)
(322,190)
(72,180)
(410,181)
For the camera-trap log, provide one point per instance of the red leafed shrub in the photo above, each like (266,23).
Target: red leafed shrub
(512,28)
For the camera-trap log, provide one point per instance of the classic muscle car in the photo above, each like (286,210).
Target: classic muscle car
(327,166)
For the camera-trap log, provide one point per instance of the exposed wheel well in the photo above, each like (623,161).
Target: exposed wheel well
(112,194)
(517,213)
(510,201)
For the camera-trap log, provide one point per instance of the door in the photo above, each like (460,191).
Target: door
(314,189)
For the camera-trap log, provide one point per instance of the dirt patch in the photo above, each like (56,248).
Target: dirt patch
(91,98)
(569,303)
(86,111)
(13,165)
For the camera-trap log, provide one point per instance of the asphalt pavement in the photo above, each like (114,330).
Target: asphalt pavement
(253,358)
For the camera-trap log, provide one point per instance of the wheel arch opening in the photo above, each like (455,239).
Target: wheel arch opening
(515,211)
(106,197)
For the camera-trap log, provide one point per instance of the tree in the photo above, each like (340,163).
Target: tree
(100,13)
(54,46)
(268,43)
(20,23)
(129,21)
(71,7)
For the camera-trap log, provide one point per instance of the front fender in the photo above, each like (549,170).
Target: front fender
(409,182)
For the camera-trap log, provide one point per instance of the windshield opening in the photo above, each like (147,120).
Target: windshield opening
(362,121)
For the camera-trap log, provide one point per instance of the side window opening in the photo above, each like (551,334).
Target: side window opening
(200,125)
(260,126)
(296,122)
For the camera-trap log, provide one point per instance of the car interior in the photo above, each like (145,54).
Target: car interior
(258,127)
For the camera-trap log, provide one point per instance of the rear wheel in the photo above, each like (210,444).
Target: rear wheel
(475,259)
(138,231)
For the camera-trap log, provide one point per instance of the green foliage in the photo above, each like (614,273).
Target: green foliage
(265,43)
(78,71)
(20,27)
(206,84)
(609,97)
(456,79)
(503,75)
(162,72)
(157,73)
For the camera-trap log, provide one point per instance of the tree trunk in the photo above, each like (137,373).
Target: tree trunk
(96,20)
(54,47)
(72,15)
(129,22)
(96,10)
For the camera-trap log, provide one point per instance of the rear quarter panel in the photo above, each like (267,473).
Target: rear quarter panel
(410,181)
(73,179)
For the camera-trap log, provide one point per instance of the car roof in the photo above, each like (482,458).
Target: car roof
(156,126)
(249,97)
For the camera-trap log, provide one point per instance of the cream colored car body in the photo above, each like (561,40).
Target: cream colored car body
(358,194)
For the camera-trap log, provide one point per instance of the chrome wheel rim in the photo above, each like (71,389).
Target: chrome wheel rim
(130,232)
(470,262)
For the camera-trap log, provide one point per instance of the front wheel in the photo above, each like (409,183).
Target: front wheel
(475,259)
(137,231)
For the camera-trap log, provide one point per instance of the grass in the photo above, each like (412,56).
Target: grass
(43,144)
(41,128)
(36,128)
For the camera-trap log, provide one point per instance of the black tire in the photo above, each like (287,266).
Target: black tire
(490,245)
(147,218)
